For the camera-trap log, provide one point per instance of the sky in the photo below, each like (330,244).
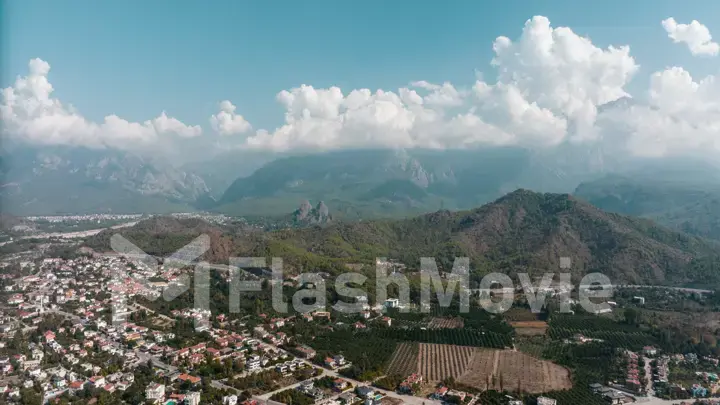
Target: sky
(284,75)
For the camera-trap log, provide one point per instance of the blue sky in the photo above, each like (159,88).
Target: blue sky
(135,58)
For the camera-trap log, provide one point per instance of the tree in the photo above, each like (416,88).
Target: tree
(632,317)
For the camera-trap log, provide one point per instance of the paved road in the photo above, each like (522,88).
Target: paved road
(220,385)
(648,376)
(658,401)
(269,394)
(690,290)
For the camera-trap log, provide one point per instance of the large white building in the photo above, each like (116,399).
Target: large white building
(155,392)
(192,398)
(392,303)
(230,400)
(253,363)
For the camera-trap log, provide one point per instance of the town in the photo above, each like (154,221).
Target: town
(77,330)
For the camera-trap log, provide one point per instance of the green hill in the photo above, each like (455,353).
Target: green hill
(520,232)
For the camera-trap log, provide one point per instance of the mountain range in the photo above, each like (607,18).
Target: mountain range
(79,181)
(522,231)
(354,184)
(687,202)
(391,183)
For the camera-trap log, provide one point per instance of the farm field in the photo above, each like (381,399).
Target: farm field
(479,367)
(529,328)
(514,370)
(438,362)
(446,323)
(404,360)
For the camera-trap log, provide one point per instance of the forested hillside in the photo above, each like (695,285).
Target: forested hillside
(520,232)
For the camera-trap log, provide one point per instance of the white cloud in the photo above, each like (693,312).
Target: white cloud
(695,35)
(228,122)
(682,116)
(444,95)
(550,83)
(553,87)
(29,113)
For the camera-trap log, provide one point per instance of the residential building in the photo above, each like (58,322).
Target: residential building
(192,398)
(546,401)
(155,392)
(230,400)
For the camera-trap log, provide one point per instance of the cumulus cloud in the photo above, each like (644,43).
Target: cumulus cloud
(30,113)
(695,35)
(550,83)
(228,122)
(553,87)
(682,116)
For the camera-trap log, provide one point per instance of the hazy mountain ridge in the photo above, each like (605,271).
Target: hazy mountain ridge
(354,184)
(387,183)
(77,181)
(690,205)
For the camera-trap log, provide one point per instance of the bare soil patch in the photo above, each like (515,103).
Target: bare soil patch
(530,328)
(446,323)
(511,370)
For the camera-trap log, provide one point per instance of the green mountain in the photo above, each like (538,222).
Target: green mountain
(386,183)
(519,232)
(687,205)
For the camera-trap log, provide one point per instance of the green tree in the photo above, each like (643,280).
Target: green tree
(632,317)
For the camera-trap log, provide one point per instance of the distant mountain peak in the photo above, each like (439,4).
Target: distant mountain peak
(93,181)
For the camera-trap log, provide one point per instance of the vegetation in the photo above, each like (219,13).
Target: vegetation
(293,397)
(520,232)
(688,205)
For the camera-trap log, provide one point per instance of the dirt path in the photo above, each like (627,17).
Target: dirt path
(496,361)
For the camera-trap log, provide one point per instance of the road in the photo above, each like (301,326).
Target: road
(220,385)
(648,376)
(690,290)
(267,395)
(658,401)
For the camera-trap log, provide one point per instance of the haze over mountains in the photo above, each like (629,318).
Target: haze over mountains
(79,181)
(686,199)
(356,184)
